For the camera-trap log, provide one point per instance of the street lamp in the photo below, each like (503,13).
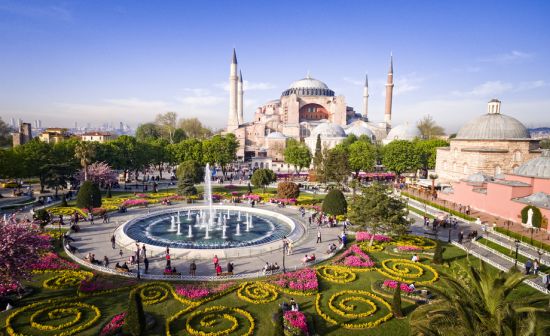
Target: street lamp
(517,247)
(285,247)
(450,228)
(137,257)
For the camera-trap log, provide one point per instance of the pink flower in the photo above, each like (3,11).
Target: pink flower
(408,248)
(196,292)
(51,261)
(301,280)
(100,284)
(114,325)
(355,257)
(393,284)
(365,236)
(296,319)
(6,289)
(135,202)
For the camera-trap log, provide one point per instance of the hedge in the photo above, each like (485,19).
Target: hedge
(521,238)
(440,207)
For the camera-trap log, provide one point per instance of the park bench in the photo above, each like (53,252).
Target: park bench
(225,274)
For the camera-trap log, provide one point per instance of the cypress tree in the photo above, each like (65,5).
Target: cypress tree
(134,323)
(396,301)
(89,196)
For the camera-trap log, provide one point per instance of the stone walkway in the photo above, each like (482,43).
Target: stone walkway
(96,239)
(501,261)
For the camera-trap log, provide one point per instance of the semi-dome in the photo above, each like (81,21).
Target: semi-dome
(359,130)
(404,131)
(328,130)
(537,167)
(276,135)
(308,87)
(493,126)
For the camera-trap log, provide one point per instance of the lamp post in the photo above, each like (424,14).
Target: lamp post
(137,257)
(516,258)
(450,228)
(285,247)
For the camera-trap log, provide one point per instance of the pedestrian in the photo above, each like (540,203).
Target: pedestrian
(528,265)
(143,250)
(113,241)
(290,246)
(460,237)
(104,218)
(120,253)
(167,249)
(218,269)
(215,260)
(168,262)
(535,267)
(319,237)
(91,218)
(105,261)
(192,268)
(230,267)
(344,239)
(146,264)
(546,281)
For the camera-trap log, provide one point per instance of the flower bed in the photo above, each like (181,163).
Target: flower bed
(257,292)
(354,257)
(295,323)
(199,292)
(302,282)
(63,279)
(366,236)
(51,261)
(65,211)
(210,320)
(114,325)
(421,243)
(9,288)
(408,248)
(101,285)
(406,271)
(336,274)
(392,284)
(135,202)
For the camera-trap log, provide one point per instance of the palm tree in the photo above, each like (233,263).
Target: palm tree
(481,304)
(85,152)
(433,177)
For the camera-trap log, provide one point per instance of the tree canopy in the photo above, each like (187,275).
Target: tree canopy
(262,177)
(297,154)
(362,156)
(400,156)
(429,129)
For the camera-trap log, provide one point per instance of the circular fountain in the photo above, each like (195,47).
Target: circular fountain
(223,230)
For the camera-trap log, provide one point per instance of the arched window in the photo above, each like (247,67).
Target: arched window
(517,156)
(498,170)
(465,169)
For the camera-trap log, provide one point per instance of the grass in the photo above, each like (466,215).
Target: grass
(438,206)
(522,238)
(420,212)
(510,253)
(114,303)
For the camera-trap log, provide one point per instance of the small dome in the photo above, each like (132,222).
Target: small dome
(479,178)
(493,126)
(359,130)
(276,135)
(537,167)
(328,130)
(309,87)
(404,131)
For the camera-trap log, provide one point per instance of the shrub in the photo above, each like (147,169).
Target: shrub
(438,254)
(186,187)
(537,215)
(262,177)
(89,196)
(64,201)
(288,190)
(335,203)
(521,237)
(440,207)
(134,323)
(43,216)
(396,301)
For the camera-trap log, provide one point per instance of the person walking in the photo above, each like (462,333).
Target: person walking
(546,281)
(536,267)
(319,237)
(528,265)
(215,260)
(143,250)
(91,218)
(218,269)
(113,241)
(168,262)
(460,237)
(230,267)
(192,268)
(289,248)
(146,264)
(120,253)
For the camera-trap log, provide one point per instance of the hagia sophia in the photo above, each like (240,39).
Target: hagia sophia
(304,111)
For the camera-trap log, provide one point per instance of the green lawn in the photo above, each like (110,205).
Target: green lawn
(112,303)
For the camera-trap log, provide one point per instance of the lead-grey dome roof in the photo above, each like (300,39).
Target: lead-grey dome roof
(308,87)
(359,130)
(537,167)
(404,131)
(328,130)
(276,135)
(493,126)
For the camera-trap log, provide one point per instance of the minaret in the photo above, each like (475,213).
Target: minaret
(366,98)
(389,94)
(233,120)
(240,92)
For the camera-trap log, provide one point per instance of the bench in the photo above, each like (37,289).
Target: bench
(225,274)
(121,270)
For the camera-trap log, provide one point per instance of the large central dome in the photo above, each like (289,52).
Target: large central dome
(308,87)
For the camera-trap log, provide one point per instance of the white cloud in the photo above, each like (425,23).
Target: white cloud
(524,86)
(354,81)
(249,86)
(509,57)
(199,98)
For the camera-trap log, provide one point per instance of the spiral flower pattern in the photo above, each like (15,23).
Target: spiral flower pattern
(417,241)
(336,274)
(257,292)
(408,271)
(53,318)
(220,320)
(67,279)
(152,293)
(354,309)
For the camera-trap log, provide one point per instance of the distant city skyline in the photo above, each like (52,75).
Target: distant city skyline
(106,62)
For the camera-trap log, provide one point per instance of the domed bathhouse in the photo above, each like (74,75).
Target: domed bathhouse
(406,131)
(493,144)
(306,108)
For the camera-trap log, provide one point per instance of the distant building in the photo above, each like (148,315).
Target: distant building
(24,134)
(492,144)
(97,136)
(54,135)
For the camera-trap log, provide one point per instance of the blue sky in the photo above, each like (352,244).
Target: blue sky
(111,61)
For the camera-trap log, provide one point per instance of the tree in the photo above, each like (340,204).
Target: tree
(159,154)
(400,156)
(134,322)
(148,132)
(426,151)
(378,211)
(438,254)
(9,163)
(220,150)
(100,173)
(288,190)
(362,156)
(428,128)
(396,301)
(297,154)
(89,196)
(85,153)
(129,154)
(194,128)
(57,175)
(20,245)
(336,166)
(5,134)
(33,156)
(262,177)
(167,124)
(481,303)
(335,203)
(189,149)
(189,173)
(545,144)
(318,157)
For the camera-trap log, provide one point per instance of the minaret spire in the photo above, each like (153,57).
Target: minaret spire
(240,91)
(233,118)
(389,94)
(366,98)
